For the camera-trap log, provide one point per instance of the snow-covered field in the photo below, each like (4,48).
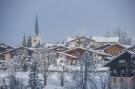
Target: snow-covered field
(53,81)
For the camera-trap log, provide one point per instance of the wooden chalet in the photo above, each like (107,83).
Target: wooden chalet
(73,55)
(122,70)
(4,47)
(114,49)
(101,48)
(59,49)
(15,52)
(82,41)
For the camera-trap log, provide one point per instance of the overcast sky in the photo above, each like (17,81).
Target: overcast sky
(61,18)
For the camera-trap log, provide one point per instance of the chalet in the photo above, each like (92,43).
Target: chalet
(59,49)
(82,41)
(4,47)
(105,40)
(114,49)
(72,56)
(15,52)
(101,48)
(122,70)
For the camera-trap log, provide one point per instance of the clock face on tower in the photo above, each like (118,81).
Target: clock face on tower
(35,40)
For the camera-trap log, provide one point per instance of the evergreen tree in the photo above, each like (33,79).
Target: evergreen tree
(29,42)
(24,41)
(34,82)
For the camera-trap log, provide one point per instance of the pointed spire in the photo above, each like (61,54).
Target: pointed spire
(36,26)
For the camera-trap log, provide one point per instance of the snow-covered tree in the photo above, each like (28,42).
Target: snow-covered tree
(20,62)
(34,82)
(83,78)
(87,67)
(13,82)
(47,59)
(29,42)
(3,84)
(24,43)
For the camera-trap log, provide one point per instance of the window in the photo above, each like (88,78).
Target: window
(121,61)
(122,71)
(133,61)
(115,71)
(34,40)
(133,71)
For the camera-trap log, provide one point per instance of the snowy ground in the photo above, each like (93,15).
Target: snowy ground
(53,81)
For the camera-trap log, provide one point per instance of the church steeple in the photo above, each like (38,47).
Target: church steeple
(36,26)
(36,40)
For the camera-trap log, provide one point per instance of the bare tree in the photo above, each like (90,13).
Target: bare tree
(83,78)
(104,80)
(47,58)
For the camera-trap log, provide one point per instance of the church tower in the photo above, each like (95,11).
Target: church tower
(36,39)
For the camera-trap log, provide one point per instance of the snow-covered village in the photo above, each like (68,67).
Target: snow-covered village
(76,61)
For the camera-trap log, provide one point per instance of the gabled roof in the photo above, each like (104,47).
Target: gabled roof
(30,49)
(115,45)
(3,45)
(102,47)
(106,39)
(57,47)
(116,58)
(131,48)
(70,38)
(73,39)
(90,50)
(72,56)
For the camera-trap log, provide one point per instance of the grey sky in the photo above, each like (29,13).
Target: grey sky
(61,18)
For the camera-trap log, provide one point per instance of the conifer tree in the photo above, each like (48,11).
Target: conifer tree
(29,42)
(24,41)
(34,82)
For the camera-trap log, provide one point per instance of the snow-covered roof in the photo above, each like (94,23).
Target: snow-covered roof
(101,48)
(106,39)
(31,49)
(127,46)
(3,45)
(67,54)
(115,45)
(70,38)
(54,44)
(49,44)
(90,50)
(127,51)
